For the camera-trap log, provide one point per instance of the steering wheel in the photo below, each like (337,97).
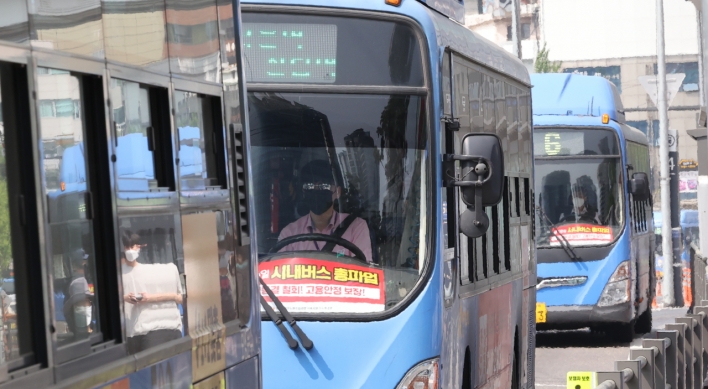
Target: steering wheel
(358,254)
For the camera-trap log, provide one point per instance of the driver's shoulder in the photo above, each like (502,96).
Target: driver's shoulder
(294,228)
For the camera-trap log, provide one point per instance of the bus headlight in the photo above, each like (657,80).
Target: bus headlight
(617,289)
(422,376)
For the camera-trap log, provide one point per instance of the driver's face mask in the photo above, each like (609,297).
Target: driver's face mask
(318,197)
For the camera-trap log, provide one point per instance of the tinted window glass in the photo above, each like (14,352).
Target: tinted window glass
(330,50)
(579,198)
(321,158)
(198,153)
(133,122)
(71,228)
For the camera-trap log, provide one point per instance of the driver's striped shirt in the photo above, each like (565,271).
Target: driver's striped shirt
(357,233)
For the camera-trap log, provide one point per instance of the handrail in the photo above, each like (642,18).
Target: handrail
(608,384)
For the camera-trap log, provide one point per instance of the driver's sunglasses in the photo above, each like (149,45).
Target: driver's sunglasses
(312,186)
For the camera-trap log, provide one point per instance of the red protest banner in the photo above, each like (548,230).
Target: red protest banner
(311,285)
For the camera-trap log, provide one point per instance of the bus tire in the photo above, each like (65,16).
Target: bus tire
(644,322)
(622,332)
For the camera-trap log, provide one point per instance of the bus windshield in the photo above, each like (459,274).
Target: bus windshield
(345,228)
(578,186)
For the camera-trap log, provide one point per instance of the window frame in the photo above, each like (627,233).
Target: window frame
(491,83)
(14,60)
(66,359)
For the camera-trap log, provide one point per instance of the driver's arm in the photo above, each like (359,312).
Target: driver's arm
(361,238)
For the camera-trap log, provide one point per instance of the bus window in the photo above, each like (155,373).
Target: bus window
(327,160)
(582,197)
(143,137)
(15,252)
(201,146)
(66,188)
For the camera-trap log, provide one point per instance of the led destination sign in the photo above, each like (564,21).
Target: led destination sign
(290,53)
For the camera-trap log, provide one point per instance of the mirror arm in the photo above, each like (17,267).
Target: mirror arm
(449,159)
(478,207)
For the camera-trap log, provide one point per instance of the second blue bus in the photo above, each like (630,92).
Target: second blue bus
(594,223)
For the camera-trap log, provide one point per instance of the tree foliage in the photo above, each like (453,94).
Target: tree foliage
(5,236)
(544,65)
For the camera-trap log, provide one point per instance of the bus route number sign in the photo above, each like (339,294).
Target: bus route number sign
(580,380)
(541,312)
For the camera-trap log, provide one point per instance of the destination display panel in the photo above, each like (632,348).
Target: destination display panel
(291,53)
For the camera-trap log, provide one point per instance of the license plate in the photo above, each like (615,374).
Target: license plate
(541,312)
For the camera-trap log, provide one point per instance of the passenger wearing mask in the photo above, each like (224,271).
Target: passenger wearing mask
(319,191)
(152,293)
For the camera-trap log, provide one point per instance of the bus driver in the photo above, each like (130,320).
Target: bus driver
(319,191)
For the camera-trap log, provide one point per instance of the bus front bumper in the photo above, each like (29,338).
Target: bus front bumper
(580,316)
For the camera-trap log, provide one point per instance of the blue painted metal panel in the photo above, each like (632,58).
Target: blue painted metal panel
(598,273)
(175,372)
(357,354)
(575,95)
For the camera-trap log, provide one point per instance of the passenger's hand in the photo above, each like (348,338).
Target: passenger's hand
(130,298)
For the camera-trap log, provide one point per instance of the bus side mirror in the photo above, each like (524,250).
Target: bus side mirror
(639,187)
(481,180)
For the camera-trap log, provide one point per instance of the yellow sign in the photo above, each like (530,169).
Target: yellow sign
(541,312)
(581,380)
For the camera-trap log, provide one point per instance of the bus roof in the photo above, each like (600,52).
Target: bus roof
(464,41)
(567,94)
(454,9)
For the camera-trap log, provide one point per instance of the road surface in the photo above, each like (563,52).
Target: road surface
(558,352)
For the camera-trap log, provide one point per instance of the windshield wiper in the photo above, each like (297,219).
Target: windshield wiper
(292,343)
(561,238)
(306,342)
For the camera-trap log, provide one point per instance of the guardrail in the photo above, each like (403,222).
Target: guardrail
(676,359)
(699,286)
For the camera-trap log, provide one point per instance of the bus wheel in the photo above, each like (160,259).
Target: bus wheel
(622,332)
(643,325)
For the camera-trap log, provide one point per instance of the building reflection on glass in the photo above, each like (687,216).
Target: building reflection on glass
(193,39)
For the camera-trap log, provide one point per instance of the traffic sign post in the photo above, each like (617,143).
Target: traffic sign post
(662,106)
(676,241)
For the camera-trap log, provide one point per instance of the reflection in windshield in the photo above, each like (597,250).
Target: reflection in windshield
(349,167)
(582,198)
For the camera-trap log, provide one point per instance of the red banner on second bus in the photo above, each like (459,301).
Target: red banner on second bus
(583,234)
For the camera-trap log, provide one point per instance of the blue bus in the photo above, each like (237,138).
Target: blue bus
(391,156)
(594,228)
